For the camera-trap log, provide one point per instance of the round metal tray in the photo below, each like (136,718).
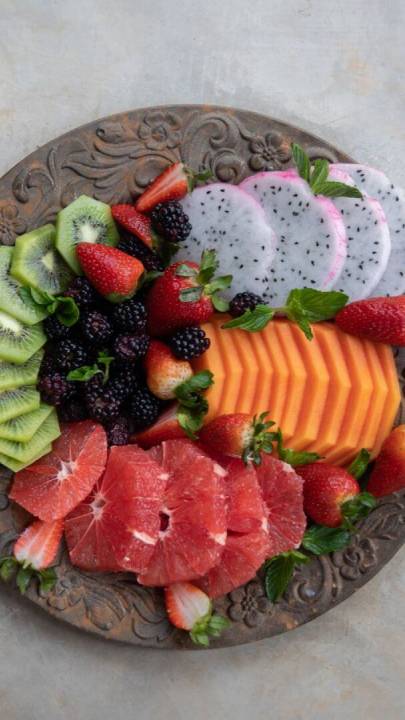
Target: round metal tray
(113,160)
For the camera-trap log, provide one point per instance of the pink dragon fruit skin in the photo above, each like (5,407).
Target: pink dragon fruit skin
(392,199)
(312,241)
(369,241)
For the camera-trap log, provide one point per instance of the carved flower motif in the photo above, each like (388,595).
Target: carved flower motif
(269,152)
(249,604)
(67,592)
(160,130)
(10,224)
(356,559)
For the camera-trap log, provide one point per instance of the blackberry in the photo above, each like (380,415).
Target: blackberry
(70,355)
(144,408)
(82,292)
(118,431)
(102,404)
(55,389)
(124,383)
(131,347)
(135,247)
(73,410)
(130,316)
(189,343)
(170,221)
(48,365)
(96,327)
(242,302)
(54,329)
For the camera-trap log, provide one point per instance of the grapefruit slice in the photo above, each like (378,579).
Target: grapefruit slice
(55,484)
(283,495)
(193,515)
(117,527)
(247,543)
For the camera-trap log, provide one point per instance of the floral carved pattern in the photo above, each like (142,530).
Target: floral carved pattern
(113,160)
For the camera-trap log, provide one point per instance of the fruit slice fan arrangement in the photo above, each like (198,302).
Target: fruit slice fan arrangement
(210,424)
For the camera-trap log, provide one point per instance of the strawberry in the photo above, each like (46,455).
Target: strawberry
(388,474)
(239,435)
(172,184)
(186,294)
(165,372)
(189,608)
(326,489)
(112,272)
(136,223)
(381,319)
(165,428)
(38,545)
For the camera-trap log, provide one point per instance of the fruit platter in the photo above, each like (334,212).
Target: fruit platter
(202,323)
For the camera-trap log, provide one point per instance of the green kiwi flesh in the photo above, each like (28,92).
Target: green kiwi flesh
(10,300)
(17,402)
(22,428)
(37,264)
(15,465)
(14,376)
(18,342)
(48,431)
(84,220)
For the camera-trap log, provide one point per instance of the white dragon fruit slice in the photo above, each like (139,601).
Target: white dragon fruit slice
(311,235)
(225,219)
(392,199)
(368,241)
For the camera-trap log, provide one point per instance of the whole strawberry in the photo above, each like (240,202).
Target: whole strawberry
(165,372)
(112,272)
(326,489)
(381,319)
(239,435)
(186,294)
(388,474)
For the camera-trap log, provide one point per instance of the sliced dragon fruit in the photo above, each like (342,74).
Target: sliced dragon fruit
(225,219)
(311,247)
(392,199)
(368,241)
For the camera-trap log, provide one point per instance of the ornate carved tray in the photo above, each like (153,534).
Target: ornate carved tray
(113,160)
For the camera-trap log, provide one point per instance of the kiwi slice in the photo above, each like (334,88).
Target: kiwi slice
(16,465)
(84,220)
(36,263)
(23,427)
(17,402)
(19,342)
(13,376)
(24,451)
(10,300)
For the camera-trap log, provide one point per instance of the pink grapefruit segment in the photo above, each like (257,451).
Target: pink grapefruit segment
(55,484)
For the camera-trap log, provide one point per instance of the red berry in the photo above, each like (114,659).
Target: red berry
(165,372)
(136,223)
(112,272)
(38,544)
(326,488)
(381,319)
(388,474)
(172,184)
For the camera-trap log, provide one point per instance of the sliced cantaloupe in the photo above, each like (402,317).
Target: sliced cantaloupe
(333,395)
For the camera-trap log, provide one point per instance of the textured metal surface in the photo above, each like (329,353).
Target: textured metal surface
(113,160)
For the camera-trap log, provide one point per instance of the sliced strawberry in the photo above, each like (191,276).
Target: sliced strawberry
(189,608)
(55,484)
(165,372)
(172,184)
(112,272)
(38,545)
(136,223)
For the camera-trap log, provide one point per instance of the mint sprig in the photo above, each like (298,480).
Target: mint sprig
(64,308)
(86,372)
(319,539)
(204,282)
(193,406)
(304,306)
(24,573)
(279,571)
(316,175)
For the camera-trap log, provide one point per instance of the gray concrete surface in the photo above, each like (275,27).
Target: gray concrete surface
(331,66)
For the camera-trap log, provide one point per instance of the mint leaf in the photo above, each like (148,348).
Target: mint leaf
(105,360)
(358,507)
(293,457)
(252,320)
(40,297)
(84,373)
(315,305)
(331,188)
(320,540)
(47,579)
(66,310)
(208,266)
(197,383)
(319,174)
(219,303)
(279,571)
(301,160)
(192,294)
(23,579)
(220,283)
(192,405)
(359,464)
